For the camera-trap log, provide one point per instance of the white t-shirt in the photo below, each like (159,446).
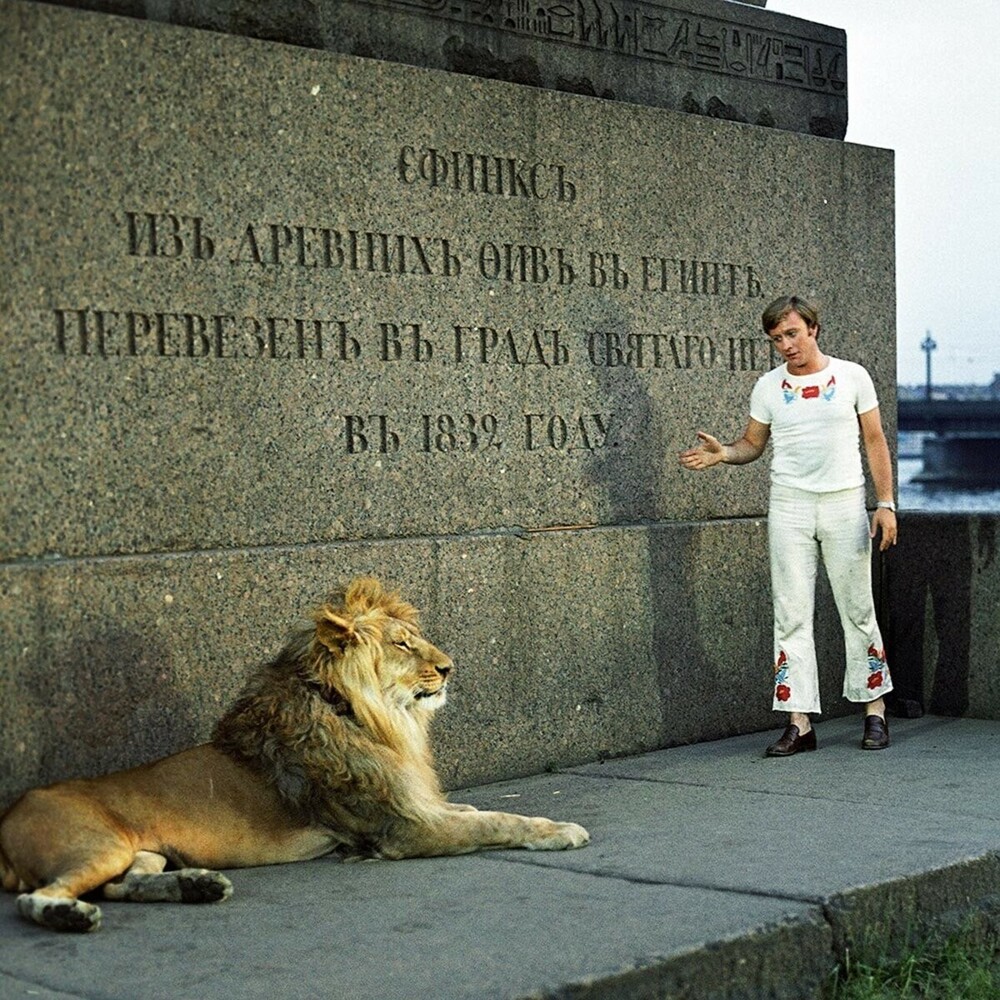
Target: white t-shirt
(814,424)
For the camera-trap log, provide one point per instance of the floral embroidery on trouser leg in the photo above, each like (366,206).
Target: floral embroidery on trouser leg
(878,672)
(796,682)
(782,692)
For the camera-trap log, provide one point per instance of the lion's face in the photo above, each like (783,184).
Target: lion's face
(413,672)
(371,651)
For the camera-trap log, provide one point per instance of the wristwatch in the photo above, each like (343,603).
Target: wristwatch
(886,505)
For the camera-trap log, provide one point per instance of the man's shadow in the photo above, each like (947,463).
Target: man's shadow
(930,573)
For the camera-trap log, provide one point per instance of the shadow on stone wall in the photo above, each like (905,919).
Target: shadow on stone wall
(95,703)
(928,610)
(707,600)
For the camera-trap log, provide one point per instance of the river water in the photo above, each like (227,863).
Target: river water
(942,499)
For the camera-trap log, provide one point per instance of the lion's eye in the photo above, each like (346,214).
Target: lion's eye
(403,645)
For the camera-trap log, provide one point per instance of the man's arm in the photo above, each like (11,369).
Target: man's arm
(880,466)
(709,451)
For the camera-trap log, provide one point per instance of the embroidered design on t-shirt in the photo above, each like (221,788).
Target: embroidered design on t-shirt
(794,392)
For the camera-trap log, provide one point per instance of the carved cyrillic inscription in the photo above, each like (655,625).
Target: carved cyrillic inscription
(197,333)
(568,432)
(133,333)
(169,235)
(483,173)
(486,345)
(472,433)
(278,244)
(699,277)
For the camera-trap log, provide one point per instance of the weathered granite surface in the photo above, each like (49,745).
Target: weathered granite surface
(258,294)
(255,337)
(708,57)
(569,646)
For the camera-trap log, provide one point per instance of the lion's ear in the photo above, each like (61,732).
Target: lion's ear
(334,631)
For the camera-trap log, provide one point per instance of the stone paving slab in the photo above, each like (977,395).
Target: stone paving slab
(450,928)
(713,873)
(951,764)
(802,828)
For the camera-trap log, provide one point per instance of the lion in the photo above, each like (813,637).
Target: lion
(326,750)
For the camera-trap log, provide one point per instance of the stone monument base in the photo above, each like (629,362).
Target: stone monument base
(275,316)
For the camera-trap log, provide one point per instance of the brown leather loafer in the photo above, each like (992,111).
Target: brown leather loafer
(791,742)
(876,733)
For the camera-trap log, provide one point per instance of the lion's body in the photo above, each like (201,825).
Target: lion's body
(326,750)
(198,808)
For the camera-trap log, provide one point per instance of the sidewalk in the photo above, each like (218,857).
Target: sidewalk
(713,872)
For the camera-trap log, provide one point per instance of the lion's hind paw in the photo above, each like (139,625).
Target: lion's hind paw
(564,836)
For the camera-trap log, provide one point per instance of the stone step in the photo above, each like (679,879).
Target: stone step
(713,872)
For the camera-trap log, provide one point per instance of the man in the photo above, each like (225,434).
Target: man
(813,406)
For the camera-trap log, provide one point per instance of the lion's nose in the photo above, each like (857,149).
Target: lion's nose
(443,669)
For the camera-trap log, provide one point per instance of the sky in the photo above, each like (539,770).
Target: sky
(923,79)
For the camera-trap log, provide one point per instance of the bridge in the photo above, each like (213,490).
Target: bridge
(963,448)
(950,416)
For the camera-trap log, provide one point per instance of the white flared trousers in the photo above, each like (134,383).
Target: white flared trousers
(802,528)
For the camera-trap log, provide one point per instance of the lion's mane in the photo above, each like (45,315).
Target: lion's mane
(315,724)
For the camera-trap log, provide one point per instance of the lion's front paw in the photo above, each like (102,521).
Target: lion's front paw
(186,885)
(198,885)
(561,837)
